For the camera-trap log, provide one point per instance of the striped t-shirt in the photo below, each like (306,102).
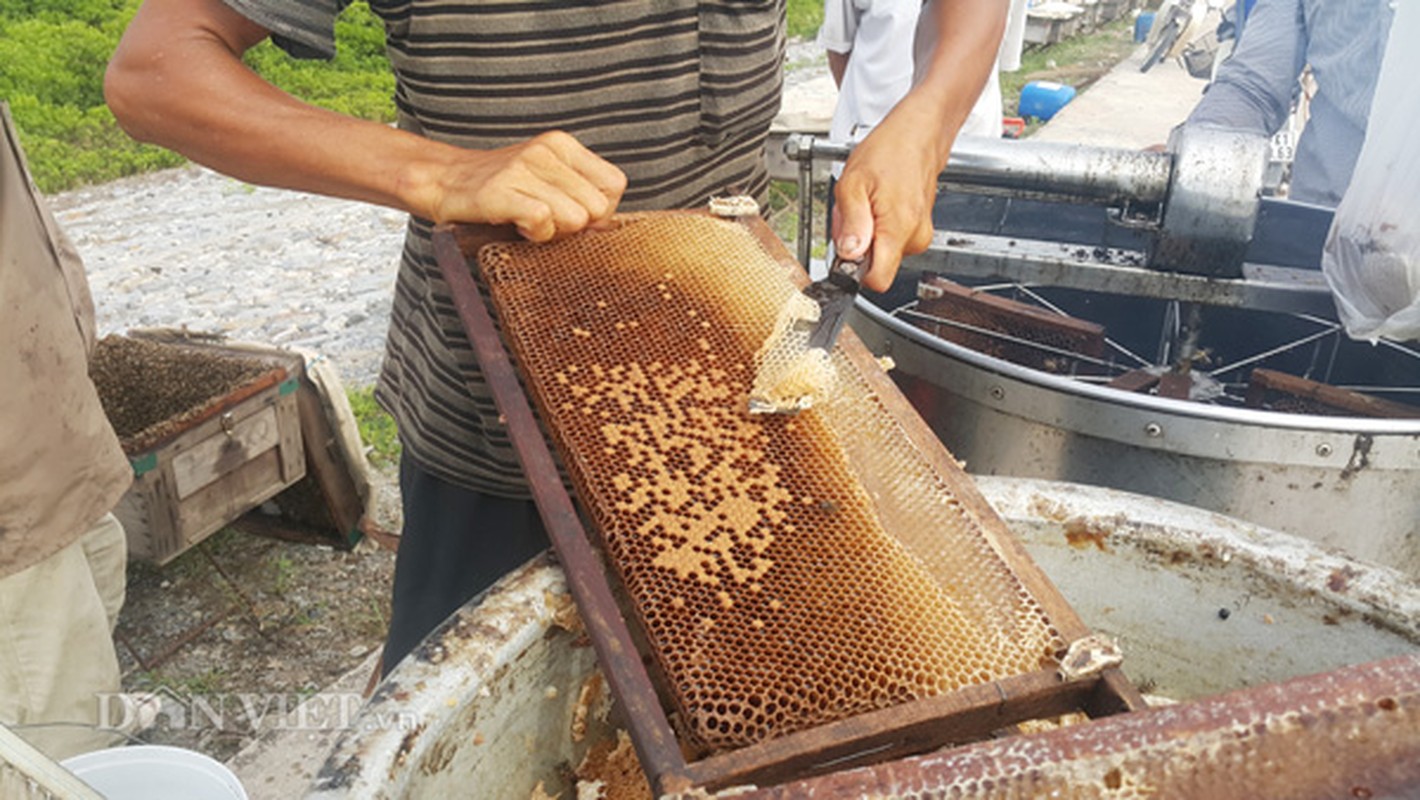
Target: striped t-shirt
(678,94)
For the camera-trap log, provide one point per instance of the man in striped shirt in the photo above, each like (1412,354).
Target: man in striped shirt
(546,116)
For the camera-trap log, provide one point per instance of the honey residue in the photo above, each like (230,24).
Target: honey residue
(611,771)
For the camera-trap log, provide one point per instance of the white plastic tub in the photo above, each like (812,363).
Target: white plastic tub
(155,772)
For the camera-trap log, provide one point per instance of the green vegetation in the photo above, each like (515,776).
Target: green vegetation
(54,53)
(804,18)
(372,621)
(1078,61)
(357,81)
(377,429)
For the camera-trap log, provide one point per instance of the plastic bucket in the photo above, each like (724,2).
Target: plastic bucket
(1042,99)
(153,772)
(1142,24)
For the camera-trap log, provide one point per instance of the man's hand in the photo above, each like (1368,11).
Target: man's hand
(548,186)
(884,198)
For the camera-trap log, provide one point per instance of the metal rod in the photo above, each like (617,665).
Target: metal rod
(806,204)
(1399,347)
(1119,348)
(1168,333)
(1054,264)
(1008,338)
(1380,389)
(1047,170)
(1192,330)
(1253,359)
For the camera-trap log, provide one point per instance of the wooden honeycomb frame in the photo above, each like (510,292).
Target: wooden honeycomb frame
(961,714)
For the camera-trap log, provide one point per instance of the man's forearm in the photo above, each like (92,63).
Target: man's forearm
(177,80)
(884,198)
(955,53)
(1253,89)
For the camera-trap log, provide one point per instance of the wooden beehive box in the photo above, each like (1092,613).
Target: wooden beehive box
(211,431)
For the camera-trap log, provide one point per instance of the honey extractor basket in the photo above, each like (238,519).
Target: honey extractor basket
(808,586)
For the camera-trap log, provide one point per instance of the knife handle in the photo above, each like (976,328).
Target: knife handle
(848,273)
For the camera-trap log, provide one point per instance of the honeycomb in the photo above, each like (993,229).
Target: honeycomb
(790,376)
(788,571)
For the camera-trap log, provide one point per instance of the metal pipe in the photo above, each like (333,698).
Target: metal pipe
(806,196)
(1042,170)
(806,220)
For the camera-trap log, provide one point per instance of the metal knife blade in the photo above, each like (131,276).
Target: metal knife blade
(834,294)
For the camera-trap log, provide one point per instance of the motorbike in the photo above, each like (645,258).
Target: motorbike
(1200,33)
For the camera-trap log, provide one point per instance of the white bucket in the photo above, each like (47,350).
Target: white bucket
(154,772)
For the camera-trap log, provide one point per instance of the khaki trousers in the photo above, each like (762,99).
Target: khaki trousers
(56,642)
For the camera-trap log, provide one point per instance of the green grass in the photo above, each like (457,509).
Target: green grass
(208,682)
(1077,62)
(804,18)
(377,429)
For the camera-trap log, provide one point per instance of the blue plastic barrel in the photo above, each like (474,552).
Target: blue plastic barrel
(1042,99)
(1142,24)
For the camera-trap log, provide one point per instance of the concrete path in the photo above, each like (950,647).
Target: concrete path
(283,762)
(1127,108)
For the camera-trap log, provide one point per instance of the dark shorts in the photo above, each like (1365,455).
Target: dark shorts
(456,542)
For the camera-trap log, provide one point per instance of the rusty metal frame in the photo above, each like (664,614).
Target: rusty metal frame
(912,727)
(1361,717)
(586,575)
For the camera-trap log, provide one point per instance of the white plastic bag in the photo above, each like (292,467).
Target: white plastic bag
(1372,255)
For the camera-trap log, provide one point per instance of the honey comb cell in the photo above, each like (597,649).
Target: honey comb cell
(788,571)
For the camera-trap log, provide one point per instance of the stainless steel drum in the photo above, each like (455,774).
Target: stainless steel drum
(1348,482)
(1189,269)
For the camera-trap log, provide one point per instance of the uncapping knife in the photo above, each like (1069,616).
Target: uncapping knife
(834,295)
(794,369)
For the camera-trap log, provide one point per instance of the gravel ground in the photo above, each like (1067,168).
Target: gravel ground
(189,248)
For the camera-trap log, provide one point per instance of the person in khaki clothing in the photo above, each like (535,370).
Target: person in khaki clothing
(62,554)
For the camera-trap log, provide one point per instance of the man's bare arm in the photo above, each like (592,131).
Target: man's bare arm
(177,80)
(885,196)
(838,65)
